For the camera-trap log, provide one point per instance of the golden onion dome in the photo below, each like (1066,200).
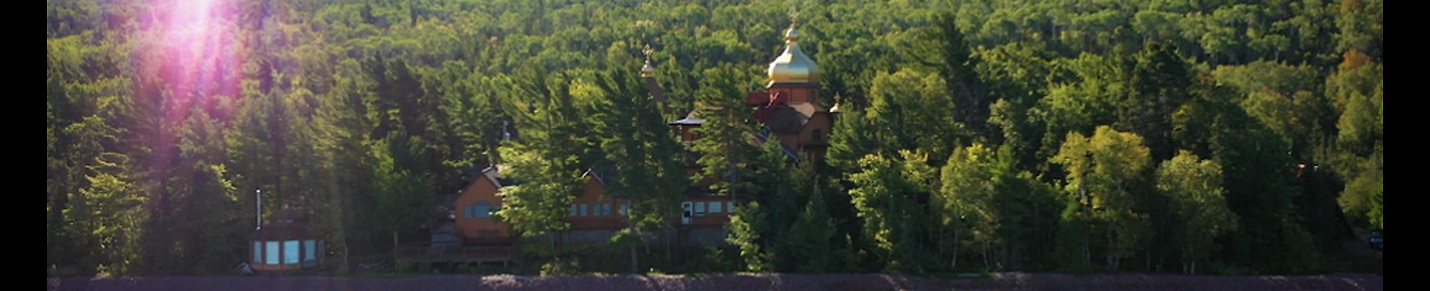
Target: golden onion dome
(648,71)
(793,66)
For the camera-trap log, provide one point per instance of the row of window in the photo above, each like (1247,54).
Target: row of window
(599,209)
(697,209)
(285,252)
(700,209)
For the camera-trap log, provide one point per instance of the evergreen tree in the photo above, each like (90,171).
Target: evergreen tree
(775,188)
(638,145)
(1157,85)
(850,141)
(546,161)
(746,228)
(724,147)
(950,55)
(811,238)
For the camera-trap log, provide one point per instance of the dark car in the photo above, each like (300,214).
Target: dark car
(1377,241)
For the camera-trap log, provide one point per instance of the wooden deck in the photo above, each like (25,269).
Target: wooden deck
(472,254)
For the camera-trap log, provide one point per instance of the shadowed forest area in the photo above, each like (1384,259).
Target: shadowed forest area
(1077,136)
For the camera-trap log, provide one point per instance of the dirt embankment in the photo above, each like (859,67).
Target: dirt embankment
(726,282)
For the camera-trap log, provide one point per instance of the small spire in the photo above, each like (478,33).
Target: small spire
(792,35)
(793,16)
(648,71)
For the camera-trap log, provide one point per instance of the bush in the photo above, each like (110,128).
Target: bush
(406,268)
(564,268)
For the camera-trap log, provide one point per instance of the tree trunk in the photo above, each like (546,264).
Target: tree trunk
(669,250)
(635,263)
(987,259)
(1087,251)
(1111,251)
(1149,260)
(954,266)
(555,256)
(1010,255)
(347,253)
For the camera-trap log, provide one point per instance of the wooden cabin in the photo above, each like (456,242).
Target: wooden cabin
(597,208)
(476,209)
(286,243)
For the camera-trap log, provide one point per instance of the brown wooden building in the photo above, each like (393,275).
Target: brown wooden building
(476,209)
(286,243)
(789,110)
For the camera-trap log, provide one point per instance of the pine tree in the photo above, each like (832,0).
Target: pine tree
(851,140)
(639,146)
(724,147)
(1157,85)
(547,161)
(746,229)
(811,238)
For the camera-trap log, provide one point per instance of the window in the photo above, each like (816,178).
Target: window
(607,209)
(290,252)
(818,135)
(585,209)
(467,212)
(310,251)
(716,208)
(257,252)
(482,210)
(625,210)
(699,209)
(573,210)
(273,253)
(732,207)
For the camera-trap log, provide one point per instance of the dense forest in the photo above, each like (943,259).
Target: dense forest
(1196,136)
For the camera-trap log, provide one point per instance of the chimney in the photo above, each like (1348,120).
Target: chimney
(259,215)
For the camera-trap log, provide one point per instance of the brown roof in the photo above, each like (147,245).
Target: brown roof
(286,224)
